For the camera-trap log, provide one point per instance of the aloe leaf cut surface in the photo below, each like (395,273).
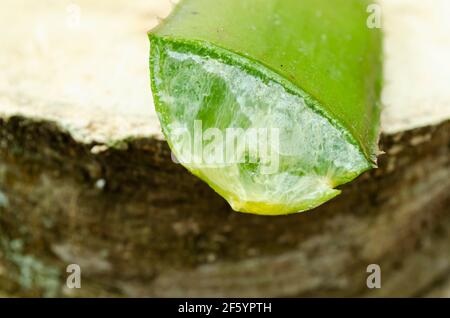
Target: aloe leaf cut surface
(274,103)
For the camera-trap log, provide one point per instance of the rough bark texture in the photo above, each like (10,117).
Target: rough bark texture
(140,225)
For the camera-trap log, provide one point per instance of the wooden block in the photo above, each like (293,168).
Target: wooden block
(86,177)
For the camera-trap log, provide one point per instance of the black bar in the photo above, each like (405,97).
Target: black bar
(216,307)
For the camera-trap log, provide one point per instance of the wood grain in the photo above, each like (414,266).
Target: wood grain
(86,177)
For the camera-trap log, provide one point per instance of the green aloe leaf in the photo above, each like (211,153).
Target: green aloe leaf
(274,103)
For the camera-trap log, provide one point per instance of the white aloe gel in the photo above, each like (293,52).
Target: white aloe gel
(300,164)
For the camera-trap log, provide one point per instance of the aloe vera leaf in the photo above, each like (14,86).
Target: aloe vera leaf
(309,70)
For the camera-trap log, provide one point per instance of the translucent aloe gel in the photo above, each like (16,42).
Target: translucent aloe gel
(273,103)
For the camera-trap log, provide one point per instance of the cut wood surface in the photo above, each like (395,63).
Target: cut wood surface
(91,76)
(86,177)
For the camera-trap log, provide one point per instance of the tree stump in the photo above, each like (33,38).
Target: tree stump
(86,177)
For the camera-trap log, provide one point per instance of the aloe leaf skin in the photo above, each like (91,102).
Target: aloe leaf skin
(311,69)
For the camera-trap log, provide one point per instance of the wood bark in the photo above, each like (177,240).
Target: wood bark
(91,181)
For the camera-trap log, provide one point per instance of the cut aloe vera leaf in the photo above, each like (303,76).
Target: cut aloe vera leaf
(273,103)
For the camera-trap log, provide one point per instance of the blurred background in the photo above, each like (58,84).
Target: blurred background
(86,178)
